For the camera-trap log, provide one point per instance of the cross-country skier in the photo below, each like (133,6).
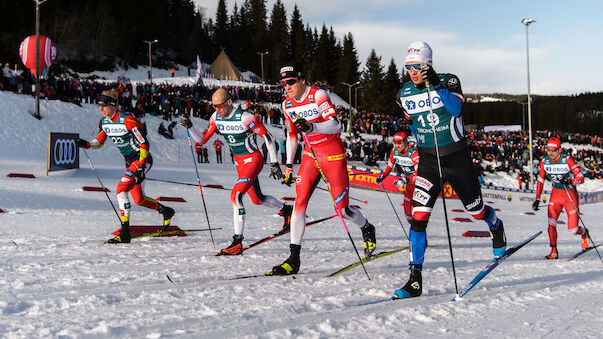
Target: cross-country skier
(565,174)
(239,128)
(128,134)
(456,166)
(404,156)
(309,110)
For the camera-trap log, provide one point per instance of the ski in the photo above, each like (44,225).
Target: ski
(159,233)
(365,260)
(582,252)
(279,233)
(268,274)
(249,276)
(373,302)
(492,265)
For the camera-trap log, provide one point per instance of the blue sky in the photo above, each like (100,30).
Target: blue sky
(482,42)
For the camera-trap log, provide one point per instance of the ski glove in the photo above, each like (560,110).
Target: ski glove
(82,143)
(400,182)
(428,74)
(565,181)
(186,121)
(275,171)
(380,179)
(303,125)
(288,176)
(535,205)
(139,175)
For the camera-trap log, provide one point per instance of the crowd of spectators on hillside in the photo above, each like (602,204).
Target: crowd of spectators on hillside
(498,151)
(509,151)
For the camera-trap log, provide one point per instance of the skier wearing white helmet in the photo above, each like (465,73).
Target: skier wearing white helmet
(442,117)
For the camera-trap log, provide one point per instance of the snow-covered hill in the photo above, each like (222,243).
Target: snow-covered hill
(57,279)
(181,77)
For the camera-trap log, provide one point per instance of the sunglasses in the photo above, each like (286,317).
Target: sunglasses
(289,82)
(553,149)
(219,106)
(410,67)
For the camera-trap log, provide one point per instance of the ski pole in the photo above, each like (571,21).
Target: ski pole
(363,201)
(101,183)
(220,187)
(583,225)
(397,216)
(435,142)
(188,134)
(324,178)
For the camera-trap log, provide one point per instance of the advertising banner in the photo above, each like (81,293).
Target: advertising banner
(63,153)
(367,178)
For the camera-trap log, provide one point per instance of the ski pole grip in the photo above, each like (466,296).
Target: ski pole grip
(426,81)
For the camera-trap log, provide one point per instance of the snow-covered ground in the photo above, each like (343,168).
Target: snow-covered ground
(58,279)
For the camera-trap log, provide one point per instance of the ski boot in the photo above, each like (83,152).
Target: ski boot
(414,285)
(167,213)
(370,242)
(124,235)
(499,240)
(585,244)
(289,266)
(554,254)
(235,248)
(286,213)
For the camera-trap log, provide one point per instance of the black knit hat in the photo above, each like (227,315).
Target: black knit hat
(292,69)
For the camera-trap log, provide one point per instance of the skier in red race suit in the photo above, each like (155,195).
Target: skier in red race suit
(309,110)
(240,128)
(406,157)
(560,167)
(128,135)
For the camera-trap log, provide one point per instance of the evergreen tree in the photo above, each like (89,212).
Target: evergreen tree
(279,42)
(323,60)
(244,38)
(221,25)
(391,85)
(256,33)
(334,52)
(234,36)
(311,42)
(297,37)
(347,66)
(373,99)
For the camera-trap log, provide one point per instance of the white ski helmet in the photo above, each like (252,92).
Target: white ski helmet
(418,51)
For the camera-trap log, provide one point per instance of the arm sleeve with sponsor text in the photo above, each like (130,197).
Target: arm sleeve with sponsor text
(329,124)
(578,177)
(134,126)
